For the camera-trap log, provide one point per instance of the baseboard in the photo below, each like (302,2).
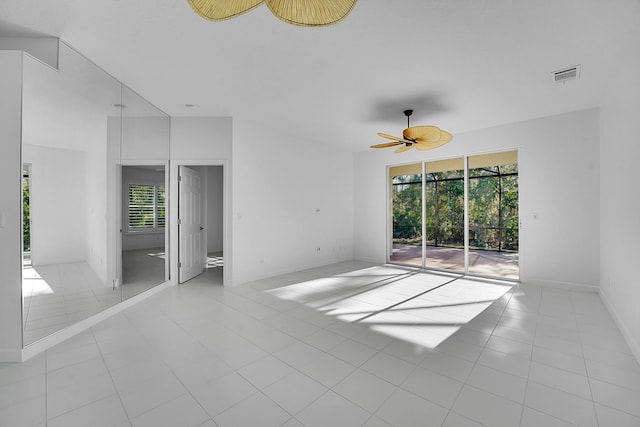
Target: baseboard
(287,270)
(369,259)
(628,336)
(10,356)
(58,337)
(567,286)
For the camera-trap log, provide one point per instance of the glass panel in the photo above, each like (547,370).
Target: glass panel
(493,215)
(143,179)
(406,193)
(64,144)
(79,126)
(444,206)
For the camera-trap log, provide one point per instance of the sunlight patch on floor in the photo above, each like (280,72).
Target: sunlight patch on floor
(33,284)
(214,261)
(161,255)
(418,307)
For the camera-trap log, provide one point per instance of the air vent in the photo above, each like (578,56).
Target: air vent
(566,74)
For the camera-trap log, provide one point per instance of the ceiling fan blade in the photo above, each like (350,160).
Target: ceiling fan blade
(444,138)
(404,148)
(422,133)
(387,144)
(395,138)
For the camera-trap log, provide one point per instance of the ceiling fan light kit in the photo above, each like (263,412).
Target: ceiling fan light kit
(420,137)
(306,13)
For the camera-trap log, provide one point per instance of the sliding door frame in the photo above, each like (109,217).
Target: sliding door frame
(466,220)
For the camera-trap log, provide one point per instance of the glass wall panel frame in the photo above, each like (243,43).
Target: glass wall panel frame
(455,250)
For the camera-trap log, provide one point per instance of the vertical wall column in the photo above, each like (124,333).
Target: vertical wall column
(10,206)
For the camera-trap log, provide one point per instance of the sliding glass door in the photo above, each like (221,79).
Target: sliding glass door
(458,215)
(493,215)
(444,214)
(406,206)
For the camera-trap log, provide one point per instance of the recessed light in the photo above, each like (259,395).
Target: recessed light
(119,105)
(191,106)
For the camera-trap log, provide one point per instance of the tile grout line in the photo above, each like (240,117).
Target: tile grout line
(46,389)
(537,332)
(584,361)
(187,389)
(475,363)
(110,376)
(331,389)
(399,386)
(538,314)
(526,385)
(417,365)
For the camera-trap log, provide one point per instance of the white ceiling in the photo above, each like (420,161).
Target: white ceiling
(460,64)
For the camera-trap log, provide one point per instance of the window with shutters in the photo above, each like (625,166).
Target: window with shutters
(146,207)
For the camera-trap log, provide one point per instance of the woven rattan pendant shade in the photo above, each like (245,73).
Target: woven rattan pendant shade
(216,10)
(308,13)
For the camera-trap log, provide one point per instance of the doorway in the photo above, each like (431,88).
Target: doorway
(200,223)
(26,214)
(142,245)
(458,215)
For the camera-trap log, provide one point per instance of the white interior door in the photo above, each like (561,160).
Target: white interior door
(191,253)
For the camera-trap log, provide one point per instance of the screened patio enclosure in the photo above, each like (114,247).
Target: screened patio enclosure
(458,215)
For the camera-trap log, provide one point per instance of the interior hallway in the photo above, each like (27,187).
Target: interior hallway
(349,344)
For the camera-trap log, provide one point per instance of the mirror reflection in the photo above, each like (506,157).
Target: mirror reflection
(143,228)
(64,140)
(84,137)
(144,155)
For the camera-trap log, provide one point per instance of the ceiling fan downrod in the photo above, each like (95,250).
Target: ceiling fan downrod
(408,113)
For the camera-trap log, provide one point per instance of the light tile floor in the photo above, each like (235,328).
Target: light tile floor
(58,295)
(344,345)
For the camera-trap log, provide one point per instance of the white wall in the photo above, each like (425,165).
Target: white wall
(277,185)
(201,138)
(58,202)
(10,207)
(144,138)
(620,197)
(558,177)
(290,198)
(96,205)
(43,48)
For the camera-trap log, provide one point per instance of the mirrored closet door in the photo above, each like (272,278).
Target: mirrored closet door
(79,126)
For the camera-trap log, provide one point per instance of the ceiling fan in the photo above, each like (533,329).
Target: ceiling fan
(421,137)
